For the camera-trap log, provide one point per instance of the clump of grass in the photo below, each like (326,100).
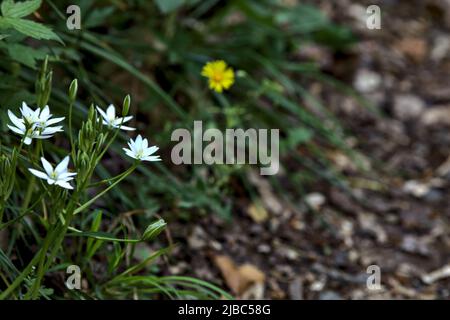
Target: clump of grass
(57,198)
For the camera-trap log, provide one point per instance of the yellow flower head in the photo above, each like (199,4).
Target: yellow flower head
(219,74)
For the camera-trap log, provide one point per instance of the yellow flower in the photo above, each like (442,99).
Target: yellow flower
(219,74)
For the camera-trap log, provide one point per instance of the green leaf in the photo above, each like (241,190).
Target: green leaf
(99,235)
(30,28)
(98,17)
(150,233)
(25,55)
(167,6)
(298,136)
(302,18)
(20,9)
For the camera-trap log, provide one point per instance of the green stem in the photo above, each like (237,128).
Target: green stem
(88,203)
(21,277)
(72,145)
(15,156)
(2,210)
(99,183)
(29,192)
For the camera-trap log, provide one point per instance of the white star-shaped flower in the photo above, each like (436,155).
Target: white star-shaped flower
(33,131)
(39,117)
(59,176)
(34,124)
(110,119)
(140,150)
(29,115)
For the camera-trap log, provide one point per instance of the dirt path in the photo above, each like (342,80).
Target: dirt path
(397,215)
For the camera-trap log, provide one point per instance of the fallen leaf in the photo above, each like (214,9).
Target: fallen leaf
(239,279)
(268,197)
(414,48)
(257,212)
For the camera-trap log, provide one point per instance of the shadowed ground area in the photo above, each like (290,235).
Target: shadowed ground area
(396,216)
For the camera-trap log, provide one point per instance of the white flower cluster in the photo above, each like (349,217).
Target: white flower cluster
(37,124)
(59,176)
(34,124)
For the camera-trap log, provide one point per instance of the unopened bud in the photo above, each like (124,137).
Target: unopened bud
(126,105)
(73,89)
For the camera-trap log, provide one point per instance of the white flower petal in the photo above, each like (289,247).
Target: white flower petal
(41,137)
(102,113)
(16,130)
(130,153)
(62,166)
(25,110)
(150,151)
(66,176)
(27,141)
(126,128)
(138,142)
(16,121)
(47,166)
(45,114)
(118,121)
(52,130)
(64,184)
(111,112)
(144,144)
(38,173)
(151,158)
(54,120)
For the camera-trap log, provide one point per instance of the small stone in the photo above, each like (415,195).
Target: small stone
(296,289)
(196,240)
(441,48)
(437,115)
(416,188)
(318,285)
(407,106)
(330,295)
(264,248)
(367,81)
(315,200)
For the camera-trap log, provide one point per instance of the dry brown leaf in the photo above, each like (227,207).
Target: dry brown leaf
(257,212)
(238,279)
(414,48)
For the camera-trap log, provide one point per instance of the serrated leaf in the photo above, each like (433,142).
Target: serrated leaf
(13,9)
(25,55)
(167,6)
(32,29)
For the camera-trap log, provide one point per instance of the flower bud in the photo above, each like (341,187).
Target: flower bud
(126,105)
(241,74)
(91,114)
(154,229)
(73,89)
